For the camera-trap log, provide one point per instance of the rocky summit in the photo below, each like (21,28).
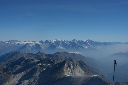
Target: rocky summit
(62,68)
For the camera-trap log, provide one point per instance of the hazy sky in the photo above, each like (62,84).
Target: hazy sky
(99,20)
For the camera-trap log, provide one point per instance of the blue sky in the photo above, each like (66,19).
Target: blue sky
(98,20)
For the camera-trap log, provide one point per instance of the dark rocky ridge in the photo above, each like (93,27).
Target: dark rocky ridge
(47,69)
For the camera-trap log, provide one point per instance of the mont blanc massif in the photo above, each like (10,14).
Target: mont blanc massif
(63,62)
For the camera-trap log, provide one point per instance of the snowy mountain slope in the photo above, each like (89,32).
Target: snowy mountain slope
(51,46)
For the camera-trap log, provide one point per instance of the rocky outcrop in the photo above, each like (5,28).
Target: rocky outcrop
(47,69)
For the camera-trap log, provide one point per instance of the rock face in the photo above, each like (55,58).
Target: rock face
(64,68)
(72,69)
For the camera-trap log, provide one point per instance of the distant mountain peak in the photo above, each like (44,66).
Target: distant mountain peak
(52,46)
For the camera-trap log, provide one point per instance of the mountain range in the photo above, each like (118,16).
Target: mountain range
(51,46)
(12,50)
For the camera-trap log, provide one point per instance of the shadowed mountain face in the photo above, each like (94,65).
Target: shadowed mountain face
(47,69)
